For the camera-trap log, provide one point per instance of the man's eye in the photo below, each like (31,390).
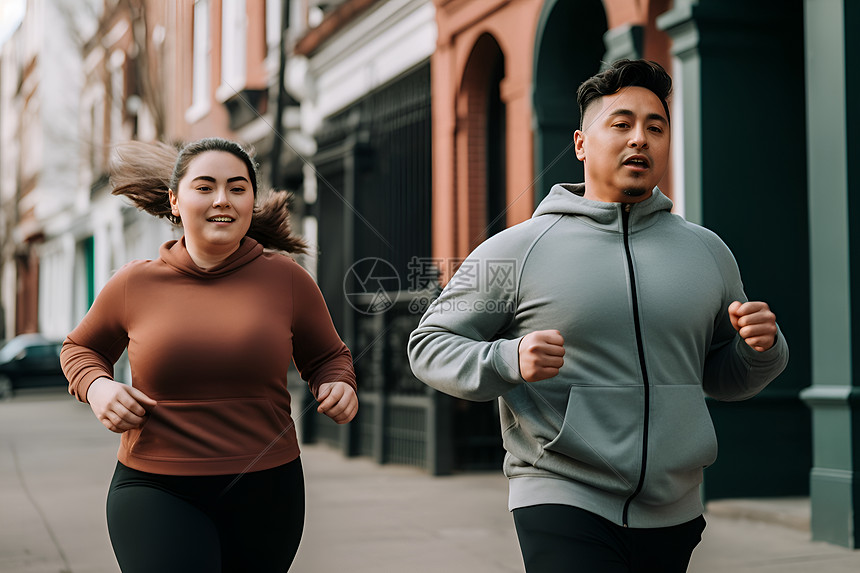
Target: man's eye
(656,129)
(622,124)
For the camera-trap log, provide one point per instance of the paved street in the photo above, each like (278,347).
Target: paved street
(56,461)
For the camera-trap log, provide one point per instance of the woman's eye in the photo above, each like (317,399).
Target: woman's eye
(238,189)
(204,188)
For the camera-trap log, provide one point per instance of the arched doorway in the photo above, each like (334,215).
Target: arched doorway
(481,144)
(569,49)
(480,167)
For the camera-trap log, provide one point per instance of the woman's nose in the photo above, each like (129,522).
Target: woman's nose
(221,199)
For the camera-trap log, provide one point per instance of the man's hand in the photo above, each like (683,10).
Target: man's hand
(118,406)
(337,401)
(541,355)
(755,322)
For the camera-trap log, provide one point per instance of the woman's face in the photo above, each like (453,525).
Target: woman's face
(215,200)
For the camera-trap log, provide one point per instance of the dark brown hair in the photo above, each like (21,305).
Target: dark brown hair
(622,74)
(144,172)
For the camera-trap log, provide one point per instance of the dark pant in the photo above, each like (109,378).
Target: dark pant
(565,539)
(210,524)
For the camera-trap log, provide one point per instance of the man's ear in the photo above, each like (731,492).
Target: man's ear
(579,143)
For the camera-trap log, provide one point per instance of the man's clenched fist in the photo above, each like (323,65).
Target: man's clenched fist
(541,355)
(755,322)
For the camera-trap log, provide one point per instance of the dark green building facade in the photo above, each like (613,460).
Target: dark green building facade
(767,89)
(763,92)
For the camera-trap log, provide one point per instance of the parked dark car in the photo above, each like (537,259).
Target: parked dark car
(30,361)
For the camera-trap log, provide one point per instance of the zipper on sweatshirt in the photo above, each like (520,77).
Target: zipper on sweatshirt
(625,219)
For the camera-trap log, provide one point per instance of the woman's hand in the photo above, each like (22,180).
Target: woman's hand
(118,406)
(337,401)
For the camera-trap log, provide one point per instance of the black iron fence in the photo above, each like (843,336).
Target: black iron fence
(374,213)
(400,419)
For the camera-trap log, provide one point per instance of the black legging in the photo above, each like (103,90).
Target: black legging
(206,524)
(565,539)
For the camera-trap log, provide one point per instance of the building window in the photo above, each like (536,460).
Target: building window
(233,49)
(97,137)
(117,93)
(200,62)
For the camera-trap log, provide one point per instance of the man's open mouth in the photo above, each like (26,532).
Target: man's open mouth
(637,161)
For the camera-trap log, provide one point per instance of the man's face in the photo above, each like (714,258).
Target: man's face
(624,145)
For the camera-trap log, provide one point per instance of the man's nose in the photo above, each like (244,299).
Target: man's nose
(638,137)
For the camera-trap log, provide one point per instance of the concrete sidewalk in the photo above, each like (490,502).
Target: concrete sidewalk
(56,462)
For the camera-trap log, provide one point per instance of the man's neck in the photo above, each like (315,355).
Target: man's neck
(595,193)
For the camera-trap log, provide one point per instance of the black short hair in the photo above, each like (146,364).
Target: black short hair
(621,74)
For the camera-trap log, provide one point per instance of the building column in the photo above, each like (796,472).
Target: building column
(834,238)
(445,236)
(625,41)
(520,149)
(682,28)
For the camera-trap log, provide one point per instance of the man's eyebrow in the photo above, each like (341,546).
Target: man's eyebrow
(627,112)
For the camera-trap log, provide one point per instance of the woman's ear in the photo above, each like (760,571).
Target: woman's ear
(174,208)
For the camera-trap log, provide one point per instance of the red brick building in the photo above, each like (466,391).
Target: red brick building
(505,75)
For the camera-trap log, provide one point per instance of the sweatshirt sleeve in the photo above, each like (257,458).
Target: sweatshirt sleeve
(456,347)
(93,347)
(734,370)
(319,353)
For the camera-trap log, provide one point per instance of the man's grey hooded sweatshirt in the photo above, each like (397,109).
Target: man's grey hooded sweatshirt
(640,296)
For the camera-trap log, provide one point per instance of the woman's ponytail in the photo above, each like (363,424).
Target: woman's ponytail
(270,224)
(142,171)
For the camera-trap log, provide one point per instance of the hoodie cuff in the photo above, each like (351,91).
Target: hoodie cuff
(506,359)
(752,356)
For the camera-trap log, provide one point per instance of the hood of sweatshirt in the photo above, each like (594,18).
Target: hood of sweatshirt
(567,199)
(175,254)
